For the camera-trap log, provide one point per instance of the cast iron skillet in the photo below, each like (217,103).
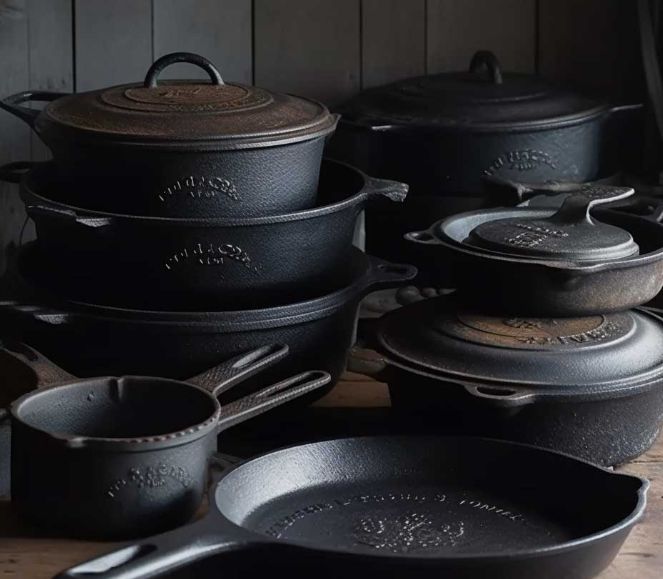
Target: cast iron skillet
(221,263)
(118,457)
(405,507)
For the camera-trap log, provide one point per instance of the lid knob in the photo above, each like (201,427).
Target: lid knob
(175,57)
(485,59)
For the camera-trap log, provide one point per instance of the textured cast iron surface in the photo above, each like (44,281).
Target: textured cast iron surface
(198,264)
(399,507)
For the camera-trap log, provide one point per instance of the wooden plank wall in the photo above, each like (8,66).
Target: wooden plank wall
(327,49)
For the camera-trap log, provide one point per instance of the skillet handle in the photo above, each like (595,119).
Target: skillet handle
(156,555)
(48,374)
(255,404)
(221,378)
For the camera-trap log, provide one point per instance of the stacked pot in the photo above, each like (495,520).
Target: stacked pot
(538,344)
(181,222)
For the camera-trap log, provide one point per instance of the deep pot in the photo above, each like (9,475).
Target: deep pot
(182,148)
(229,264)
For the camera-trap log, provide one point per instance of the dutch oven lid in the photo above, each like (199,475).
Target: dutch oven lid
(484,97)
(568,234)
(189,111)
(570,354)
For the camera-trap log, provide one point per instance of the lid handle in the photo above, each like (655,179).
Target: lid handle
(175,57)
(485,59)
(576,207)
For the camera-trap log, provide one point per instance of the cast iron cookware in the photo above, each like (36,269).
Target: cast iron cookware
(591,386)
(143,262)
(404,507)
(127,456)
(89,339)
(558,261)
(442,133)
(183,148)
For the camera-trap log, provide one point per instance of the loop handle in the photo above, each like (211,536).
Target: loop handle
(486,60)
(175,57)
(13,103)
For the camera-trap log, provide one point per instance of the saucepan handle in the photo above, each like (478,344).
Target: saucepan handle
(221,378)
(48,374)
(255,404)
(13,103)
(166,552)
(14,172)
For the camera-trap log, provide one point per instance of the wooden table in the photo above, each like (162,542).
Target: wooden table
(355,406)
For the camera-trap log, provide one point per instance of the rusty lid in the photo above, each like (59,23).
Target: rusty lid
(225,115)
(483,97)
(589,353)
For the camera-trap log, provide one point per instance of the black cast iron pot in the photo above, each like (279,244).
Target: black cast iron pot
(182,148)
(127,456)
(443,133)
(184,264)
(88,340)
(591,387)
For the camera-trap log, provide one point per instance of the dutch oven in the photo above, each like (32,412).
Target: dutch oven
(591,386)
(223,263)
(442,133)
(182,148)
(88,339)
(571,259)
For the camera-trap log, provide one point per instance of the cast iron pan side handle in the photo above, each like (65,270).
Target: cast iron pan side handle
(48,374)
(255,404)
(14,172)
(577,206)
(221,378)
(154,556)
(425,237)
(485,59)
(502,396)
(386,274)
(188,57)
(392,190)
(367,362)
(13,103)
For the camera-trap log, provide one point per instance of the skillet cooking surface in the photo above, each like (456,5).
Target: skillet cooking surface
(422,497)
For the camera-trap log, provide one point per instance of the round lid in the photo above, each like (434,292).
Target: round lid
(484,97)
(586,354)
(229,114)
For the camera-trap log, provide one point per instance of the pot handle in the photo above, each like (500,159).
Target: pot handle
(392,190)
(255,404)
(362,124)
(425,237)
(13,103)
(156,555)
(68,214)
(485,59)
(386,274)
(14,172)
(221,378)
(48,374)
(157,67)
(502,396)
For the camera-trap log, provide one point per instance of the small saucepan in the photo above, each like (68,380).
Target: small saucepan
(127,456)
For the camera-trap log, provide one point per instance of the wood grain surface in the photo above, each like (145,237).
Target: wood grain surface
(354,401)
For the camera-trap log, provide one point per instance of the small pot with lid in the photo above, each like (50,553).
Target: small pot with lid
(183,148)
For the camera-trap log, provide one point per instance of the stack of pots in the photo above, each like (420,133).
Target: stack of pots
(442,134)
(540,343)
(182,222)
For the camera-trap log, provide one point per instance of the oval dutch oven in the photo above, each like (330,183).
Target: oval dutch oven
(183,148)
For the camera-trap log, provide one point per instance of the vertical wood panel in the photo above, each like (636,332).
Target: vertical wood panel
(458,28)
(393,40)
(216,29)
(113,42)
(14,134)
(50,53)
(309,47)
(592,45)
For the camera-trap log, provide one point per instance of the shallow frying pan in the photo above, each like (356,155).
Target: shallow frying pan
(465,508)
